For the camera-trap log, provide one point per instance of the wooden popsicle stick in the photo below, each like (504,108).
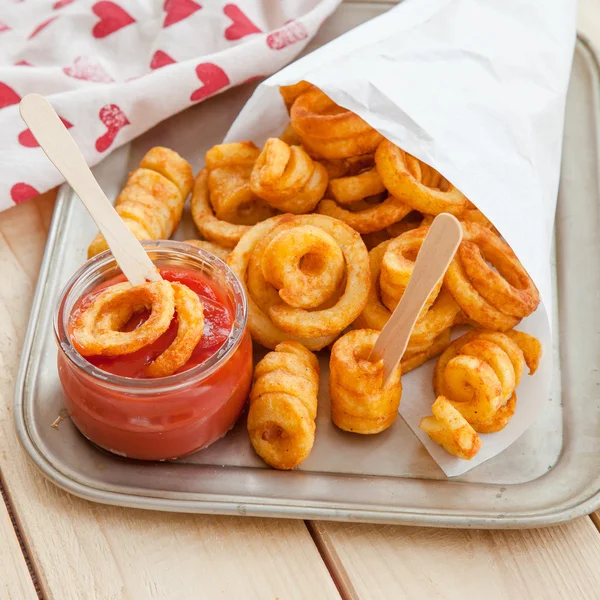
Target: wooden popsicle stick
(436,253)
(61,149)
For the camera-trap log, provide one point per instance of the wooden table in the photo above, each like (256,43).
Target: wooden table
(60,547)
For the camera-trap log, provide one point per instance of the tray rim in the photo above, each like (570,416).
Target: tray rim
(273,508)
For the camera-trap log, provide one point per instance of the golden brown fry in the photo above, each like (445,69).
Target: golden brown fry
(359,400)
(283,405)
(285,260)
(416,183)
(97,329)
(229,168)
(494,298)
(413,359)
(479,373)
(449,428)
(213,229)
(328,130)
(152,200)
(288,178)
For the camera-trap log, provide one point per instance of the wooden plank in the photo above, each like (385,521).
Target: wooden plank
(15,581)
(79,549)
(373,561)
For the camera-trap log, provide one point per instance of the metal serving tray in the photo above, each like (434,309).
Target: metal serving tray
(551,474)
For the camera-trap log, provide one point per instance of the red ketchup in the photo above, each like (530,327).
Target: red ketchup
(163,418)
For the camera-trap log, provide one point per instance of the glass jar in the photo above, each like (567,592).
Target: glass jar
(167,417)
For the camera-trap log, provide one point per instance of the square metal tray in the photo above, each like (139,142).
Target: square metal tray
(550,475)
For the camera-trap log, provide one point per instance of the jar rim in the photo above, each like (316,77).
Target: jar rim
(161,249)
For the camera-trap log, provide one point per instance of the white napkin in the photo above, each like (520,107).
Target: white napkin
(114,68)
(476,89)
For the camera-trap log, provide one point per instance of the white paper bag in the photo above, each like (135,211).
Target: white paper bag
(477,89)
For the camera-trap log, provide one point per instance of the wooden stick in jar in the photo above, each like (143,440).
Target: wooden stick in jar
(58,145)
(436,253)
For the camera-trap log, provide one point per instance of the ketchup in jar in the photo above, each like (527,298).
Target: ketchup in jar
(110,399)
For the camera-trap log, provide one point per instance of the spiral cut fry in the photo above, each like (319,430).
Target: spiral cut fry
(416,183)
(328,130)
(229,169)
(288,178)
(283,405)
(152,200)
(448,428)
(360,402)
(306,276)
(478,374)
(495,298)
(97,329)
(392,264)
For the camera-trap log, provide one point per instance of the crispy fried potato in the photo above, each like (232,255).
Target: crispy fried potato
(448,428)
(359,401)
(152,200)
(287,178)
(283,405)
(219,251)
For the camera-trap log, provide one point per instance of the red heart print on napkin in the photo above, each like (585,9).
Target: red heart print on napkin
(112,18)
(241,25)
(178,10)
(41,26)
(114,119)
(22,191)
(8,96)
(84,68)
(213,79)
(4,27)
(161,59)
(27,139)
(61,3)
(289,34)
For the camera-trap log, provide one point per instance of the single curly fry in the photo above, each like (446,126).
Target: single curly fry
(359,400)
(283,405)
(260,294)
(213,229)
(288,178)
(229,169)
(96,329)
(346,190)
(151,203)
(328,130)
(305,264)
(369,218)
(416,183)
(495,298)
(448,428)
(190,325)
(530,346)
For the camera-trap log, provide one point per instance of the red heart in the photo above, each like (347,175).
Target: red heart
(213,79)
(4,27)
(27,139)
(114,119)
(112,18)
(8,96)
(241,26)
(161,59)
(61,3)
(178,10)
(290,33)
(22,191)
(83,68)
(41,26)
